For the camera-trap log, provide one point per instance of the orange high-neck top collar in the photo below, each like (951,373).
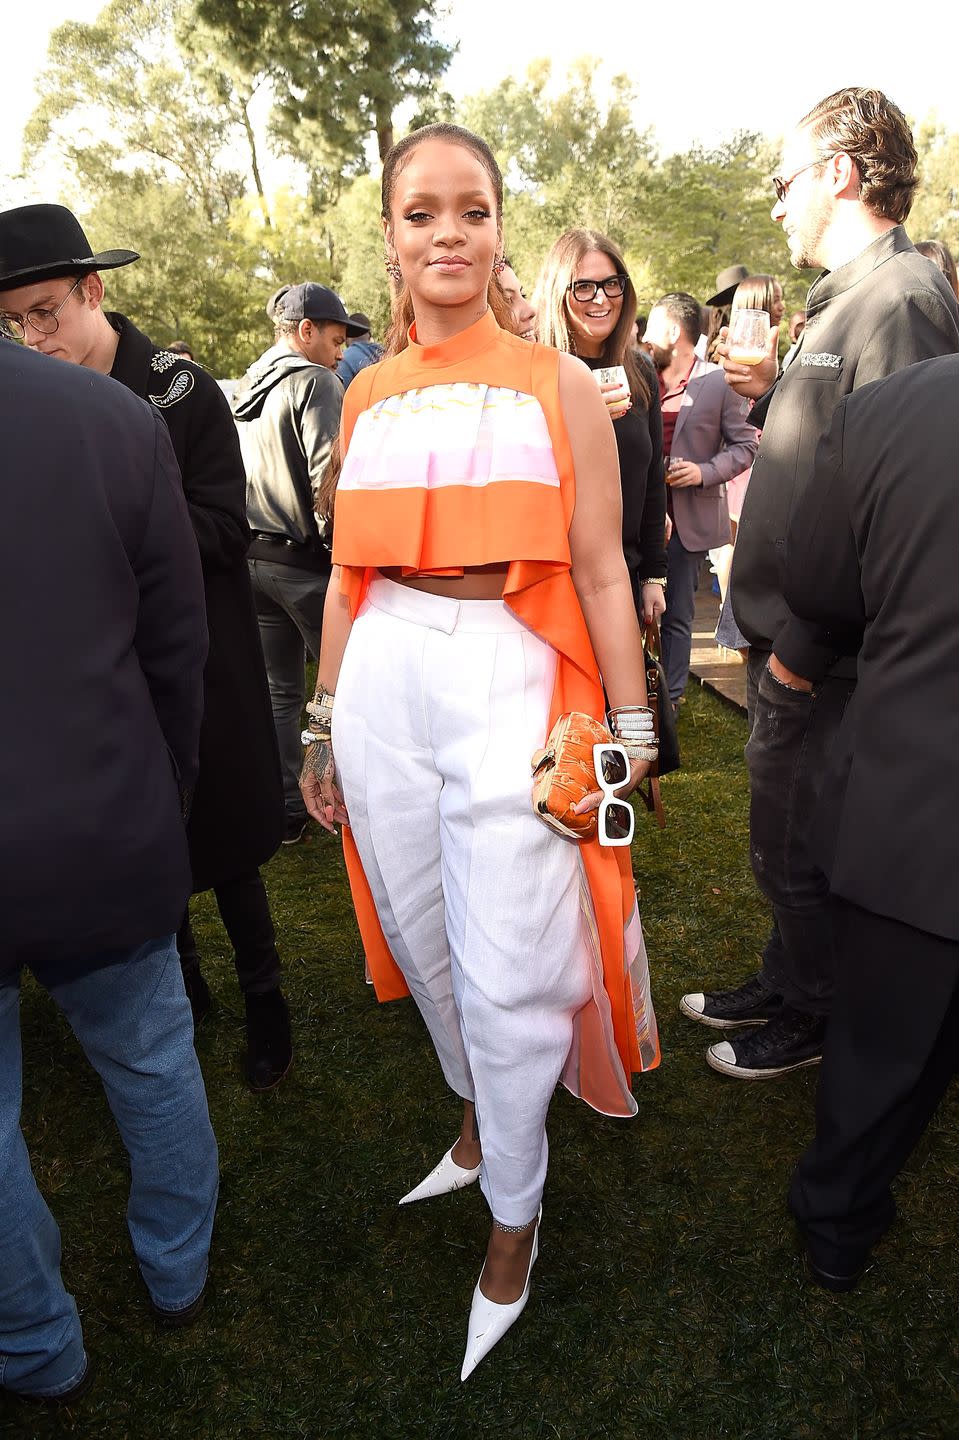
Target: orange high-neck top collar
(463,346)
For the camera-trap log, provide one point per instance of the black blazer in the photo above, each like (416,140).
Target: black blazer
(887,308)
(871,558)
(104,641)
(237,817)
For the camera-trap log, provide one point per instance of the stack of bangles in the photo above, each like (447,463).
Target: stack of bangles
(633,727)
(320,722)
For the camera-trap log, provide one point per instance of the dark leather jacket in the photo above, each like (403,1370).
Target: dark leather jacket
(287,411)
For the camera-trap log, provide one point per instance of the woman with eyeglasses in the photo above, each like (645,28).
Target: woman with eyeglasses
(587,307)
(478,593)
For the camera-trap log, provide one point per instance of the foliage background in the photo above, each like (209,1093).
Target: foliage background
(236,145)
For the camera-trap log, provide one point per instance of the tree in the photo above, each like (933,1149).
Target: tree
(935,214)
(116,90)
(338,70)
(567,158)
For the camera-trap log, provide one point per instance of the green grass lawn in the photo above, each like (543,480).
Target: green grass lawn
(669,1300)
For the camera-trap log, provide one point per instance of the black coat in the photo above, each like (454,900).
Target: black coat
(103,649)
(237,818)
(886,309)
(871,562)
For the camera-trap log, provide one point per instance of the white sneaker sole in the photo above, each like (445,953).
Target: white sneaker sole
(738,1073)
(712,1022)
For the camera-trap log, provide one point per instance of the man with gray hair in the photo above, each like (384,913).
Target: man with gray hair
(287,408)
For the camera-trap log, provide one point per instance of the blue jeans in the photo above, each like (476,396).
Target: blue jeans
(133,1020)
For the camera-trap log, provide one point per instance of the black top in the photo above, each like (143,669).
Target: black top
(639,440)
(233,828)
(640,444)
(870,563)
(885,309)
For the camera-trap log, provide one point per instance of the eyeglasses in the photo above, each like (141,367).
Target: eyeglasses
(781,186)
(45,322)
(616,819)
(586,290)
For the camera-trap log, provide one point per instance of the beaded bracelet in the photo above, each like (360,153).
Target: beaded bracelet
(312,737)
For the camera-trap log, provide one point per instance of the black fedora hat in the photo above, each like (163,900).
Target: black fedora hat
(41,242)
(726,282)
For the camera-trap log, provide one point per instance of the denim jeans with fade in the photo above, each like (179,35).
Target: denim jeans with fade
(130,1014)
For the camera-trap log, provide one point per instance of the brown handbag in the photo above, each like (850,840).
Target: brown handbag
(564,774)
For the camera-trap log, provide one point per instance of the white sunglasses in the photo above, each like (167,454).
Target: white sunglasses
(616,818)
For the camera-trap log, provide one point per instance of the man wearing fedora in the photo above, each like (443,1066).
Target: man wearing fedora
(51,297)
(287,409)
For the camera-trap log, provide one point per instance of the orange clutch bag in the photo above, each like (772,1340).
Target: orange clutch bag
(563,774)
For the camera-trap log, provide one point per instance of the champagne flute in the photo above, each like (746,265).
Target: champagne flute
(748,342)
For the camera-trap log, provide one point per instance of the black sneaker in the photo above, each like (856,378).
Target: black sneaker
(269,1052)
(751,1003)
(787,1043)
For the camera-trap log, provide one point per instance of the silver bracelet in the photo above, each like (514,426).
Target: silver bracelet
(649,750)
(308,737)
(321,706)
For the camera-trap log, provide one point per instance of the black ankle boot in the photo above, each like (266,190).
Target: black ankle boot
(269,1052)
(198,994)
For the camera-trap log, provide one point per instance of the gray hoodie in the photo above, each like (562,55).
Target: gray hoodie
(287,411)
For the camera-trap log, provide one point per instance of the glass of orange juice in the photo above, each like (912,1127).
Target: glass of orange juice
(748,341)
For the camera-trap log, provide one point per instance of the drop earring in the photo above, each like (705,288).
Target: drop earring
(393,269)
(499,266)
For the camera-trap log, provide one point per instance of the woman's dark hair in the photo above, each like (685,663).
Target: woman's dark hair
(553,327)
(402,304)
(941,255)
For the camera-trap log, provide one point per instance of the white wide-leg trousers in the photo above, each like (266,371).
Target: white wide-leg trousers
(439,706)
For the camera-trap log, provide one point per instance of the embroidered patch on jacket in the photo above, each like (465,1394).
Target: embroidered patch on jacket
(162,361)
(823,359)
(180,386)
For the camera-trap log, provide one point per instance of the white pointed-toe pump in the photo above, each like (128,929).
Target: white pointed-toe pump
(446,1177)
(489,1321)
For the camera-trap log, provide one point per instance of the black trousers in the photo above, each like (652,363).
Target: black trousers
(245,912)
(892,1044)
(791,737)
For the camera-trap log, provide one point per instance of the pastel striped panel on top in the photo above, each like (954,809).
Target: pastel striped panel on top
(460,434)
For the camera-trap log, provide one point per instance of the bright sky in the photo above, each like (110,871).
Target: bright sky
(661,47)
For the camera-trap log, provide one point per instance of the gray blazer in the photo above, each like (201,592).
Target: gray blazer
(712,431)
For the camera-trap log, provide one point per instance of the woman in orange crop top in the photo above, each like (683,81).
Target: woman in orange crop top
(481,593)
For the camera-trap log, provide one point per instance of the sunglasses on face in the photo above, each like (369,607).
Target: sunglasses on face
(586,290)
(781,186)
(616,819)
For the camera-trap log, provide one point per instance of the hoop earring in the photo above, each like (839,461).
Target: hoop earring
(393,269)
(499,266)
